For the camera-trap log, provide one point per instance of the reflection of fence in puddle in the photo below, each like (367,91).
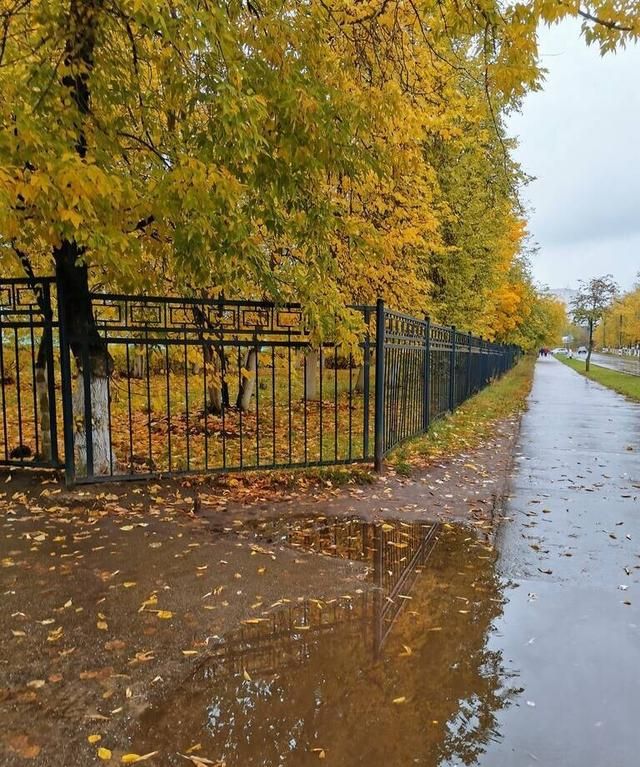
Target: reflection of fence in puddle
(286,637)
(395,553)
(400,551)
(308,674)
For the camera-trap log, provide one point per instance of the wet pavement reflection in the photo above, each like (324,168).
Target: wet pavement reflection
(399,673)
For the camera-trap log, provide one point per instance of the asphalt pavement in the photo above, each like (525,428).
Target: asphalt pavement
(569,635)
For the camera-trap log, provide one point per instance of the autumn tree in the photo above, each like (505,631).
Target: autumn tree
(621,322)
(317,152)
(591,302)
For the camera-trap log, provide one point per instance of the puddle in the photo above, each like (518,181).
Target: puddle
(399,672)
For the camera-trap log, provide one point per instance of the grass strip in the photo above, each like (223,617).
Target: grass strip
(472,423)
(623,383)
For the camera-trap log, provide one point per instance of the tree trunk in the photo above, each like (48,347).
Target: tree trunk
(139,367)
(91,356)
(103,459)
(312,375)
(589,349)
(366,366)
(248,381)
(42,399)
(89,349)
(217,387)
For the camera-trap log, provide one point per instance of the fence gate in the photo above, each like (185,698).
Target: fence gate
(28,337)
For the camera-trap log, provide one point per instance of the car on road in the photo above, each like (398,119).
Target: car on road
(582,350)
(560,350)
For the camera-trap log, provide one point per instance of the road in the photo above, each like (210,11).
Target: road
(629,365)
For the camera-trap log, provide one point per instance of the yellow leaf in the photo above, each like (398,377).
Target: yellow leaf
(153,600)
(164,614)
(245,674)
(400,700)
(104,753)
(94,738)
(135,758)
(102,625)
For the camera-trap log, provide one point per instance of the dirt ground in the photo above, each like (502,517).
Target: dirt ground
(112,593)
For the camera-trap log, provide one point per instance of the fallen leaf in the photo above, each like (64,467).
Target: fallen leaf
(94,738)
(135,758)
(199,761)
(104,754)
(55,634)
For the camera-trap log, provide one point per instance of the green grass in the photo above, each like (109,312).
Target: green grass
(623,383)
(472,423)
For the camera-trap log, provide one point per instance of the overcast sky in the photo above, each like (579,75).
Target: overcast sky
(580,138)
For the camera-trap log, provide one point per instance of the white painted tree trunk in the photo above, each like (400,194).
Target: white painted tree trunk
(139,362)
(42,398)
(361,373)
(248,381)
(312,375)
(101,440)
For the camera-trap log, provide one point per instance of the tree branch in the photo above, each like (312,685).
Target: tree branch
(604,22)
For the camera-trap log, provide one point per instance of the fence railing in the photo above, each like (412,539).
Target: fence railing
(213,385)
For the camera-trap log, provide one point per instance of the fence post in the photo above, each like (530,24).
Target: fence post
(50,373)
(426,417)
(379,401)
(469,366)
(452,370)
(366,364)
(67,399)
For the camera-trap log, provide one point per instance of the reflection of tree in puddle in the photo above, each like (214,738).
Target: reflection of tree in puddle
(361,678)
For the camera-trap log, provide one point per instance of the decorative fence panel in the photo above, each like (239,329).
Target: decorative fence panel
(427,370)
(28,384)
(203,386)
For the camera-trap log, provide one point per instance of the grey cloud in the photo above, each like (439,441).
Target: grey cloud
(580,138)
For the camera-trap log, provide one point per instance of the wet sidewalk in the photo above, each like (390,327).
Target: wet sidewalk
(569,635)
(285,641)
